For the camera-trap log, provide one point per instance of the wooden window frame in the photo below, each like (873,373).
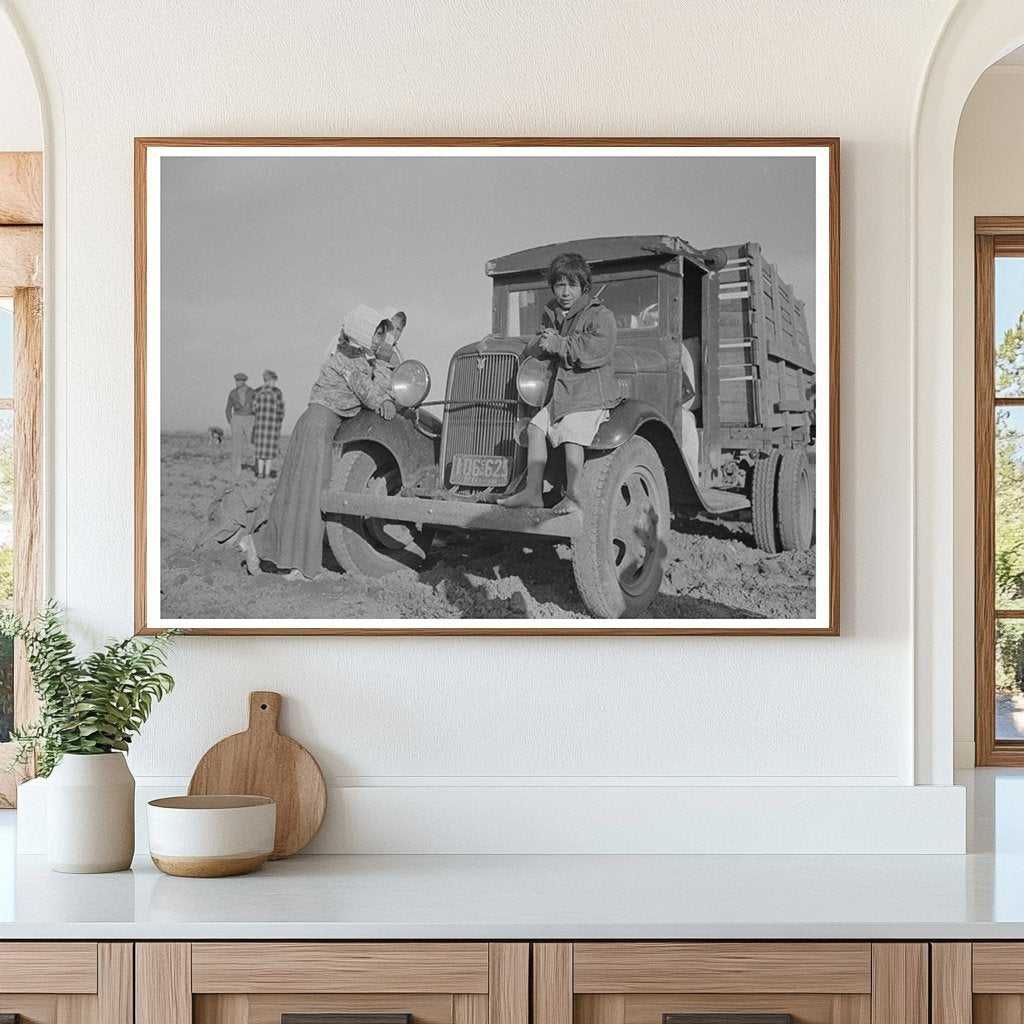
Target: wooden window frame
(993,237)
(21,278)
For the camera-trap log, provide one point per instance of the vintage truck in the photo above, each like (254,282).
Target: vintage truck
(717,414)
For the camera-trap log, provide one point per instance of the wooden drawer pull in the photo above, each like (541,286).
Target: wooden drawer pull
(339,1018)
(727,1018)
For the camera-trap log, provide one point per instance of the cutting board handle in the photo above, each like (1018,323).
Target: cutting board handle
(264,710)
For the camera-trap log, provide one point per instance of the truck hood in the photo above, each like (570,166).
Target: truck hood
(626,358)
(495,343)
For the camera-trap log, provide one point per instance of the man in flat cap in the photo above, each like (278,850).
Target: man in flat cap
(240,415)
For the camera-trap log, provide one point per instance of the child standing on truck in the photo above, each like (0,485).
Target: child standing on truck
(578,333)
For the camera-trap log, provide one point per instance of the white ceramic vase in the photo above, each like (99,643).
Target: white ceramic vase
(90,814)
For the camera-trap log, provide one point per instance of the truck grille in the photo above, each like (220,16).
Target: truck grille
(477,428)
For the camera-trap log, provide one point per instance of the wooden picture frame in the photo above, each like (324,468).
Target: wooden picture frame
(789,409)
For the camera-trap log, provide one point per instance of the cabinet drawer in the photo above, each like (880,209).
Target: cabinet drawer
(332,983)
(730,983)
(750,967)
(66,982)
(340,967)
(980,982)
(65,967)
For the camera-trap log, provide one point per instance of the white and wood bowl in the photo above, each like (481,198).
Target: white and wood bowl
(211,836)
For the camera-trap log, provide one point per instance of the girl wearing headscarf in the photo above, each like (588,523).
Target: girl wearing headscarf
(293,537)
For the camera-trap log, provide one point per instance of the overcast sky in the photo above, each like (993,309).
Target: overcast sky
(262,255)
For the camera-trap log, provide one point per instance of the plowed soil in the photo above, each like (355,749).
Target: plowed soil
(713,570)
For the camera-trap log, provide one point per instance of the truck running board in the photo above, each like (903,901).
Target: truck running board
(463,515)
(717,501)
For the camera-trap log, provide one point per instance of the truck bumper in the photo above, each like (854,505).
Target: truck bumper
(463,515)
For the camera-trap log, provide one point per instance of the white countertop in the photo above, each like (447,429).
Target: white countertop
(516,897)
(977,896)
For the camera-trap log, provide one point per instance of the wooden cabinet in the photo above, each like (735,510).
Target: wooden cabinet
(755,982)
(66,982)
(978,983)
(494,983)
(263,982)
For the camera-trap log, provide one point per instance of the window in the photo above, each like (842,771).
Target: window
(21,374)
(6,515)
(633,300)
(999,491)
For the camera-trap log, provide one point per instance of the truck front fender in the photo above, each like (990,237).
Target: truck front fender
(631,418)
(625,420)
(413,451)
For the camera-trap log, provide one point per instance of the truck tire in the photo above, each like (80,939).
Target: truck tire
(371,548)
(795,502)
(763,510)
(618,558)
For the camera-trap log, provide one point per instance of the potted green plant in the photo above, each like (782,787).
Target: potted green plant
(90,708)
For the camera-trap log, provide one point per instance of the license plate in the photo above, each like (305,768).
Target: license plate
(481,470)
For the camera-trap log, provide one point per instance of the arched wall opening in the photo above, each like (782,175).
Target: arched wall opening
(989,153)
(977,34)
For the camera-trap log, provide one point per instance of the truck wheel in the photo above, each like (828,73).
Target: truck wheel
(618,558)
(795,502)
(373,548)
(762,503)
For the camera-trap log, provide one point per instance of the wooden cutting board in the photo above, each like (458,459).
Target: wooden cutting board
(262,762)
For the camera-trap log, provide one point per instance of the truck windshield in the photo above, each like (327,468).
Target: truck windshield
(633,300)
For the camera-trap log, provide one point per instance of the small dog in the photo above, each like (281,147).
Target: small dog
(216,435)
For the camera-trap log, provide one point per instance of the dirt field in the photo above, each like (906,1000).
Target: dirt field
(714,571)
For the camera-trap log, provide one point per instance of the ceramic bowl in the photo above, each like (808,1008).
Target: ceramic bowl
(211,836)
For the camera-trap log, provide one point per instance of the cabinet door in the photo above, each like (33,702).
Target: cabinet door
(332,983)
(730,983)
(981,982)
(65,983)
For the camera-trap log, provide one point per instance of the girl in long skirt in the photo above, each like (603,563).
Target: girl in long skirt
(293,537)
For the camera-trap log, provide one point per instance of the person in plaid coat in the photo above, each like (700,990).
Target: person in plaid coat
(268,410)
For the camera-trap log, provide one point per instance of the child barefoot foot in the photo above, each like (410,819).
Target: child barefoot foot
(298,576)
(252,559)
(567,506)
(524,499)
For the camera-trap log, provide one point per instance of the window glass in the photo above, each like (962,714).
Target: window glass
(6,353)
(1009,320)
(6,568)
(1009,511)
(1009,496)
(1009,679)
(633,301)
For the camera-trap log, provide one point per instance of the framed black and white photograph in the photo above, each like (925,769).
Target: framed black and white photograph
(487,386)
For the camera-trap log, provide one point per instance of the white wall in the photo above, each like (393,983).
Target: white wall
(430,716)
(988,182)
(21,127)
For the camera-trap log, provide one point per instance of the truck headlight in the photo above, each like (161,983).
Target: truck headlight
(410,382)
(533,380)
